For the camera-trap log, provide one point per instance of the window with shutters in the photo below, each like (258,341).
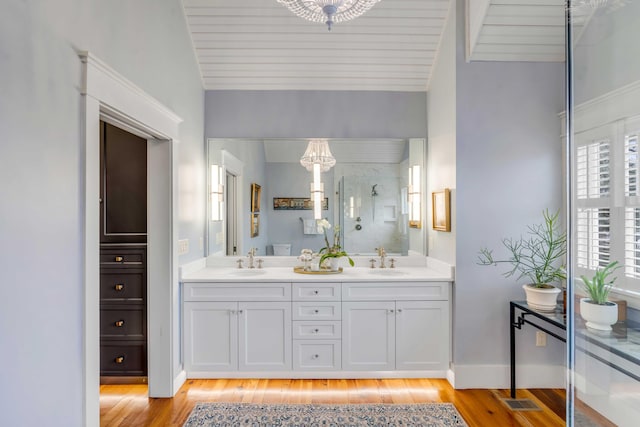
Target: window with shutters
(607,199)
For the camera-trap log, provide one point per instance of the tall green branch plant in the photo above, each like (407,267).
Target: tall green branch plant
(539,256)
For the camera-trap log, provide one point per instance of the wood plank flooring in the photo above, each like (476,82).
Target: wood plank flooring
(128,405)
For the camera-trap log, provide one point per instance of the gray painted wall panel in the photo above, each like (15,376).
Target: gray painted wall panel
(41,171)
(304,114)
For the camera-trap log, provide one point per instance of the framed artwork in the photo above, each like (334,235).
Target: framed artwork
(255,197)
(255,224)
(440,210)
(296,204)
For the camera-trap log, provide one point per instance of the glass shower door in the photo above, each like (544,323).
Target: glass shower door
(604,124)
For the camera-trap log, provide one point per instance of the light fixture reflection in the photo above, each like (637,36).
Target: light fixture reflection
(415,198)
(217,192)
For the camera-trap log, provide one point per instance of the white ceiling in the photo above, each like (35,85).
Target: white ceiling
(261,45)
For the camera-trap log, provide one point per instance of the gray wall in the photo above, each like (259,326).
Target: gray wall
(304,114)
(41,170)
(605,56)
(508,170)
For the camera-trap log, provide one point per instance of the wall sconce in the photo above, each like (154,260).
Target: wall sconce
(415,197)
(317,192)
(217,192)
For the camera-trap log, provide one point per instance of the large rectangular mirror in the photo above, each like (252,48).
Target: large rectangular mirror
(369,193)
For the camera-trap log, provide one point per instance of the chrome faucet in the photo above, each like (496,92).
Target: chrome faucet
(383,256)
(251,255)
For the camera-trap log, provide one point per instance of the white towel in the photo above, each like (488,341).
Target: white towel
(310,226)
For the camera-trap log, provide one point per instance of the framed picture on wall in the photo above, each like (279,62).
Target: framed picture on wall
(255,197)
(255,224)
(440,210)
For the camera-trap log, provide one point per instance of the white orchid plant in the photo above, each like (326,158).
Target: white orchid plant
(332,250)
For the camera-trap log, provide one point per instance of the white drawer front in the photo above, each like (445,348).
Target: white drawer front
(398,291)
(322,355)
(237,292)
(316,291)
(314,330)
(317,311)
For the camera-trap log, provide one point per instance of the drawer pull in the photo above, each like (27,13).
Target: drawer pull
(316,311)
(119,287)
(119,359)
(119,259)
(240,311)
(315,356)
(391,311)
(119,323)
(315,292)
(399,310)
(315,331)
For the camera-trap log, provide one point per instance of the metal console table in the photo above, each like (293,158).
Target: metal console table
(619,349)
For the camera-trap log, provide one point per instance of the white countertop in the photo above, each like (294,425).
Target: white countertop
(286,274)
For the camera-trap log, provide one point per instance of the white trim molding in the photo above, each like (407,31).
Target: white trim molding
(498,376)
(107,95)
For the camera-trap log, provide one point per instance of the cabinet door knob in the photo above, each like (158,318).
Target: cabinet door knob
(315,331)
(119,359)
(119,259)
(315,356)
(315,292)
(119,323)
(119,287)
(399,310)
(316,311)
(240,311)
(391,311)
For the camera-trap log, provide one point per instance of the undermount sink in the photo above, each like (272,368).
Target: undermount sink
(247,272)
(386,272)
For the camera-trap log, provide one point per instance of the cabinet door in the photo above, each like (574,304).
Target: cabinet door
(265,336)
(210,336)
(368,335)
(422,335)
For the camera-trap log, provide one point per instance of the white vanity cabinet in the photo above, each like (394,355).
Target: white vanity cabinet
(395,326)
(237,327)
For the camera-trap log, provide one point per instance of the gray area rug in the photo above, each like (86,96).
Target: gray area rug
(353,415)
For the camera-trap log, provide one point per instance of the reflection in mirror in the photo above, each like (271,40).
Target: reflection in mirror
(365,193)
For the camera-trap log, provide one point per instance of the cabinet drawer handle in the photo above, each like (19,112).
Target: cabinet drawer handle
(315,331)
(315,292)
(399,310)
(119,359)
(119,323)
(316,311)
(119,259)
(240,311)
(391,311)
(119,287)
(315,356)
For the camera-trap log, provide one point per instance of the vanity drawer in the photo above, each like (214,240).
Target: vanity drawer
(317,330)
(316,291)
(317,310)
(120,286)
(123,359)
(259,291)
(122,258)
(122,322)
(398,291)
(324,355)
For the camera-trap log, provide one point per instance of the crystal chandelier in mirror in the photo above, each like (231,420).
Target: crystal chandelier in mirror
(329,11)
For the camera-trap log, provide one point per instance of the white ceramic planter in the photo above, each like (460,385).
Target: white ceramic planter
(541,299)
(599,317)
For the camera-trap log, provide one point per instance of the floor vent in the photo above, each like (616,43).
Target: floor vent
(521,405)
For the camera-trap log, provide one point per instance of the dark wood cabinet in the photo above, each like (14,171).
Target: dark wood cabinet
(123,264)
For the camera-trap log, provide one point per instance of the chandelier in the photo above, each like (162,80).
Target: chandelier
(328,11)
(318,153)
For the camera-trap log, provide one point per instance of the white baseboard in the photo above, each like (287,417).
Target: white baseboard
(498,376)
(178,381)
(316,374)
(451,377)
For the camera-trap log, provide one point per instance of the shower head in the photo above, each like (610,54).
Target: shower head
(373,190)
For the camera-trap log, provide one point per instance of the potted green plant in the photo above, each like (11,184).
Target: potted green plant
(332,252)
(597,310)
(540,257)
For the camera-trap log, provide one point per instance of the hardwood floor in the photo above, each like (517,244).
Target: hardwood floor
(128,405)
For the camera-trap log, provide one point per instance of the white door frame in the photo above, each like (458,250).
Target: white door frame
(106,95)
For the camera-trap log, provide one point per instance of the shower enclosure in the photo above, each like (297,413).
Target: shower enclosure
(603,128)
(374,213)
